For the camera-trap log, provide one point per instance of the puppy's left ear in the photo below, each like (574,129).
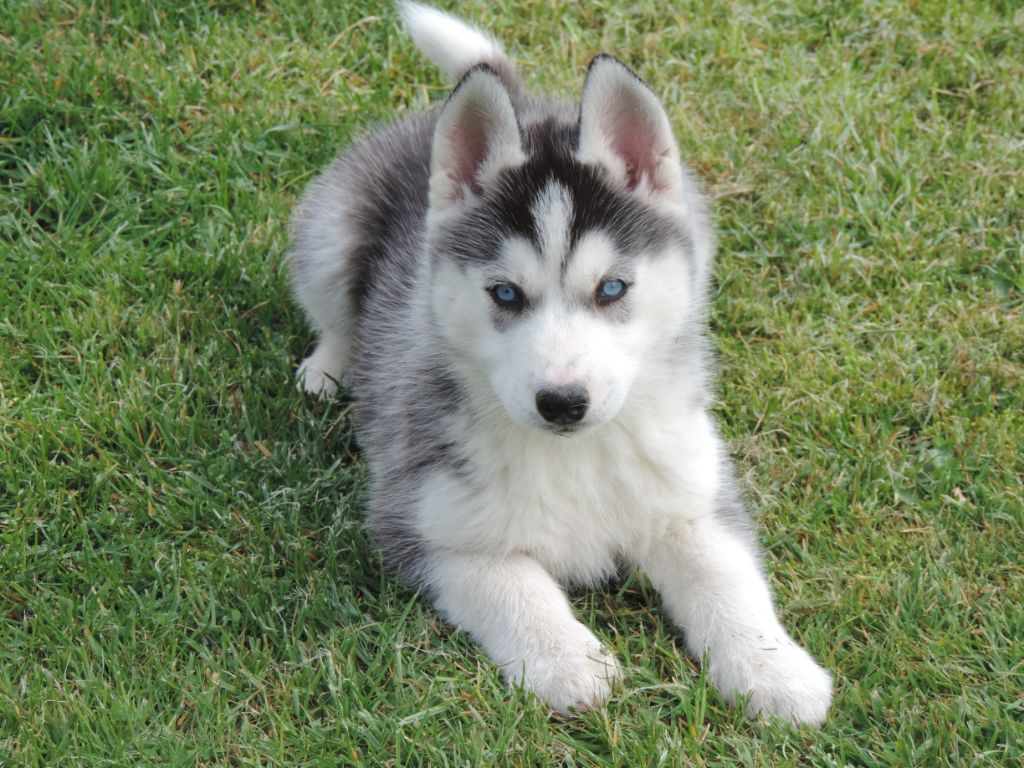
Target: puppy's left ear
(624,128)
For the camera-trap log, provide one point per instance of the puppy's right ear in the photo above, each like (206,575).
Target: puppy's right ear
(477,136)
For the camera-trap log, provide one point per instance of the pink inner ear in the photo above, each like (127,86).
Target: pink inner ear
(634,139)
(470,150)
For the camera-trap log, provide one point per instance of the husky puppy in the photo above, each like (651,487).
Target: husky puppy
(516,291)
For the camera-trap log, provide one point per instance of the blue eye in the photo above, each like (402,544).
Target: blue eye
(610,290)
(507,296)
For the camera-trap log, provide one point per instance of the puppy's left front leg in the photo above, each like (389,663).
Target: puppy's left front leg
(713,588)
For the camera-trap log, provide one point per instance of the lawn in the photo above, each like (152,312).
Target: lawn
(184,576)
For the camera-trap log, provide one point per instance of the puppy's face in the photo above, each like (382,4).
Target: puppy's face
(563,263)
(559,329)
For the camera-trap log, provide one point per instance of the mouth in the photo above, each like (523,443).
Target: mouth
(564,430)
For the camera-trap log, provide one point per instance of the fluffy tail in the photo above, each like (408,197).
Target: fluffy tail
(455,46)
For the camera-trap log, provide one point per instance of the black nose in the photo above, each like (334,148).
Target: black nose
(565,405)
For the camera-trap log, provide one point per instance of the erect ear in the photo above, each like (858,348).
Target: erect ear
(476,136)
(624,128)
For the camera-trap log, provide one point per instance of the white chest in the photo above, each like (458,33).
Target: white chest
(578,504)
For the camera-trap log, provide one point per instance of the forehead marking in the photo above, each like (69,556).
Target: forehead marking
(552,214)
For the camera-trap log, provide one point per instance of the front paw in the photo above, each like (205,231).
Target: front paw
(779,679)
(574,676)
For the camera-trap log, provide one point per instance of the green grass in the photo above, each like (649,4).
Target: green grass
(184,579)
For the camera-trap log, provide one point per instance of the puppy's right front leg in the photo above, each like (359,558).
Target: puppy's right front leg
(517,612)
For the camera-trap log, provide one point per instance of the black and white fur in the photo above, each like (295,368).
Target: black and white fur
(518,447)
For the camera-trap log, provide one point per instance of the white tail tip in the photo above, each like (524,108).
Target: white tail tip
(453,45)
